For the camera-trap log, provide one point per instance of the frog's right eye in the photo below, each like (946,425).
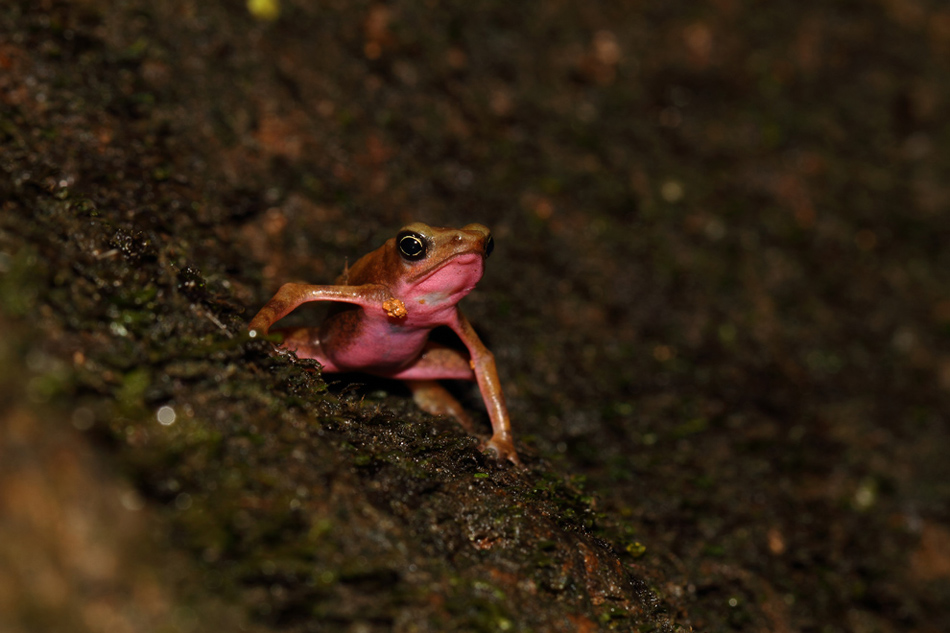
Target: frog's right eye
(412,246)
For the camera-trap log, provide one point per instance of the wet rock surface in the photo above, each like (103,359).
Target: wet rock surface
(719,304)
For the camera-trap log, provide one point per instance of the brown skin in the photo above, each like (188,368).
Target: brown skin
(387,304)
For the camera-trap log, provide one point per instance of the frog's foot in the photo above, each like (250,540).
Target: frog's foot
(502,448)
(434,399)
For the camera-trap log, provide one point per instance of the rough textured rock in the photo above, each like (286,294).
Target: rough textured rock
(719,305)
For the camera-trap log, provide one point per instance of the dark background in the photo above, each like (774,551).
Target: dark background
(719,301)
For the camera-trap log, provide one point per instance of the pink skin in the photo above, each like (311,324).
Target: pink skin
(396,297)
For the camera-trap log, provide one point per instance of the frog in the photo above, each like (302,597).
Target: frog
(386,305)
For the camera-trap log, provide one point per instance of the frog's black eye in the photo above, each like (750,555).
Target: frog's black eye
(489,246)
(412,246)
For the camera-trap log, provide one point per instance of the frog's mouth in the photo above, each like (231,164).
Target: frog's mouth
(468,259)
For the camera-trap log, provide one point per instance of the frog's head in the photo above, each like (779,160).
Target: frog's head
(438,265)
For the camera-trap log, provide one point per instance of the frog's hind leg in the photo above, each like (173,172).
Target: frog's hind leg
(438,362)
(305,342)
(435,399)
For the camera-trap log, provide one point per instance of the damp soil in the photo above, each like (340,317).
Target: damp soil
(719,303)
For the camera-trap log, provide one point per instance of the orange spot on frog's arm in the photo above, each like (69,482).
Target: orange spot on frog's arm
(395,308)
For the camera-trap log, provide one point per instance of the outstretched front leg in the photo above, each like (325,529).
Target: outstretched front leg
(291,295)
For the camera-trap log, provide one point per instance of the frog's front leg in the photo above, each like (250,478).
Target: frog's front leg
(440,362)
(292,295)
(483,364)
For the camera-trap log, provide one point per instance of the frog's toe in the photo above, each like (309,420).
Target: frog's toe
(502,449)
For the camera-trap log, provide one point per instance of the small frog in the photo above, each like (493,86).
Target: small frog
(387,304)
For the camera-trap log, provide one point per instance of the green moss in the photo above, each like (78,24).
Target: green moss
(20,276)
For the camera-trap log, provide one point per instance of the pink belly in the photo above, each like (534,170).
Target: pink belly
(379,347)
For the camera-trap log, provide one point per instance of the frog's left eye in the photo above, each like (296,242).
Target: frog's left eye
(412,246)
(489,246)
